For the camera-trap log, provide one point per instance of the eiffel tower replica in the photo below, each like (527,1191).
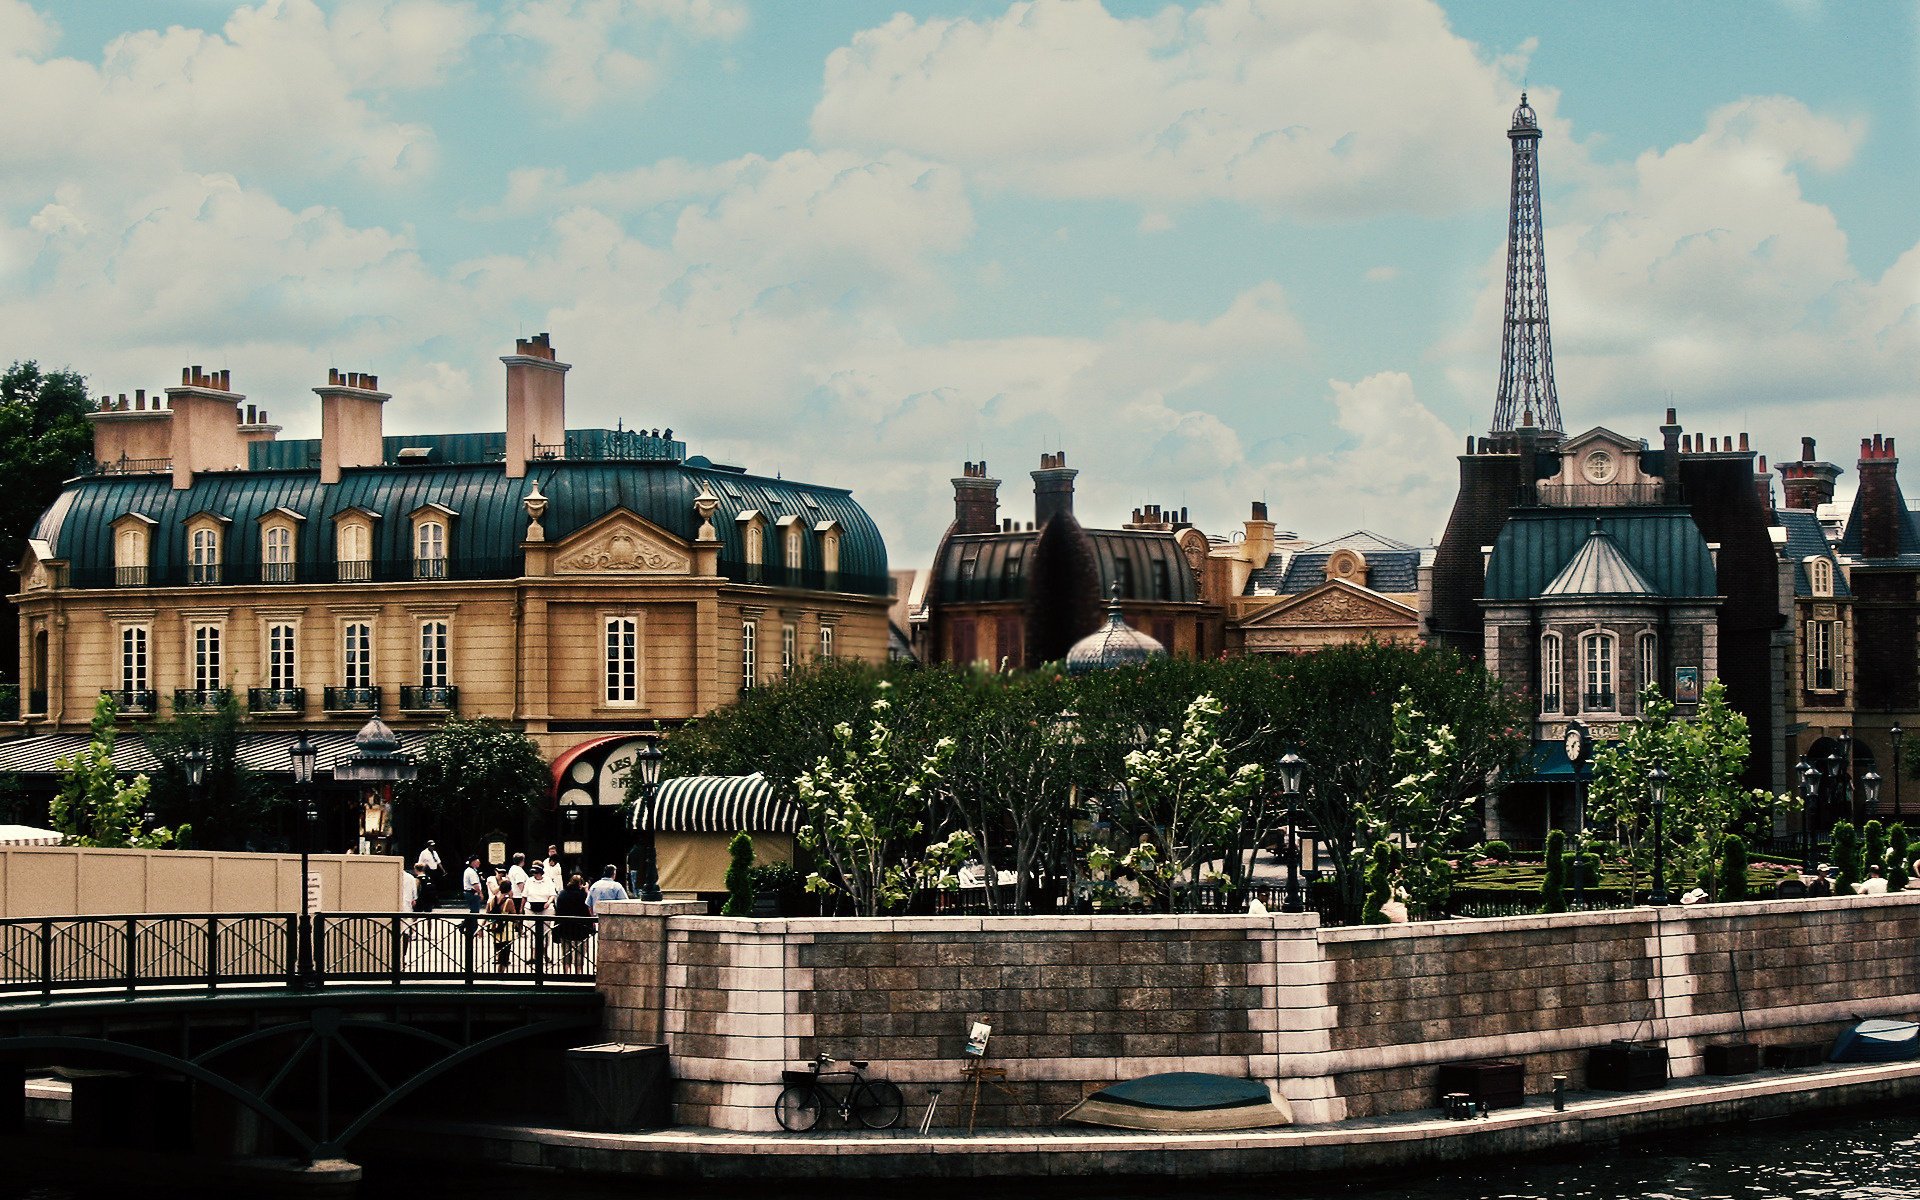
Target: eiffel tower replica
(1526,398)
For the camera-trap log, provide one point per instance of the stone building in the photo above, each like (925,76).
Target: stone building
(1359,587)
(581,584)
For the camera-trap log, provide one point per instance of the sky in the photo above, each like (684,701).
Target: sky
(1215,252)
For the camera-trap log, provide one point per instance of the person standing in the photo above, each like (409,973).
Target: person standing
(571,934)
(1875,884)
(472,886)
(555,875)
(502,927)
(607,887)
(517,876)
(540,893)
(429,863)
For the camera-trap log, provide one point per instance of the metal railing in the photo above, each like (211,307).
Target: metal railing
(1600,495)
(1597,702)
(810,578)
(277,702)
(429,698)
(277,572)
(130,576)
(131,466)
(44,955)
(137,702)
(380,570)
(199,699)
(351,699)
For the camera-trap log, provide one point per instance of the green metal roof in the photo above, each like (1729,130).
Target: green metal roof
(1600,568)
(484,537)
(1664,544)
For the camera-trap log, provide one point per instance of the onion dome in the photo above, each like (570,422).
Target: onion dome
(376,757)
(1116,644)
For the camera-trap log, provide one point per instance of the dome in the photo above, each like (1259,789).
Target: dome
(1525,120)
(1115,644)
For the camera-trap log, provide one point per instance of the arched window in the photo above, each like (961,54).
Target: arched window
(130,545)
(1597,655)
(353,547)
(830,551)
(796,547)
(204,556)
(1552,671)
(1820,576)
(1650,662)
(430,550)
(276,554)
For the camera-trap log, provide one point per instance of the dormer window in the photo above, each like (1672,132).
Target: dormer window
(753,538)
(353,545)
(132,549)
(277,541)
(430,525)
(793,543)
(829,534)
(206,540)
(1820,575)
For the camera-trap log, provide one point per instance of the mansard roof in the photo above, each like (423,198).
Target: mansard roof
(1806,539)
(1600,568)
(1663,545)
(1146,564)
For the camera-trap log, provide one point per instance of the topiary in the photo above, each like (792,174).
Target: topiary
(1379,883)
(1843,843)
(740,882)
(1553,894)
(1898,856)
(1733,868)
(1873,849)
(1498,851)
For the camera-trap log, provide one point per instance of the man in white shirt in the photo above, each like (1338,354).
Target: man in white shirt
(472,886)
(517,876)
(607,887)
(410,891)
(555,875)
(1875,884)
(429,861)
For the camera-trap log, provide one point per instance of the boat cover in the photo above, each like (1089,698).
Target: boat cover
(1183,1101)
(1877,1040)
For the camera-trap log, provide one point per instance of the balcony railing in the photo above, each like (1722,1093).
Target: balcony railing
(133,466)
(809,578)
(130,576)
(277,702)
(199,700)
(397,570)
(429,698)
(430,568)
(203,574)
(1598,702)
(356,571)
(351,699)
(1600,495)
(281,572)
(134,702)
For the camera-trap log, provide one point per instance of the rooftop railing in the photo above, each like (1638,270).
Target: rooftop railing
(809,578)
(1599,495)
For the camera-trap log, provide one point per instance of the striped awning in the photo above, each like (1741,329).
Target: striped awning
(263,752)
(719,804)
(27,835)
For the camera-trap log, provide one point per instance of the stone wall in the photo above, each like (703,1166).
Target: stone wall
(1342,1022)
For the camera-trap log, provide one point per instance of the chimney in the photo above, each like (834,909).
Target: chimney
(536,403)
(1763,486)
(1807,484)
(350,415)
(254,427)
(1259,538)
(1670,458)
(1052,488)
(130,434)
(204,431)
(1879,507)
(976,500)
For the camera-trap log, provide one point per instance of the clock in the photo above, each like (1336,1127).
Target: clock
(1576,741)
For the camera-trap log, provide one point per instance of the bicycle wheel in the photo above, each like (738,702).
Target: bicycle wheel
(877,1105)
(798,1109)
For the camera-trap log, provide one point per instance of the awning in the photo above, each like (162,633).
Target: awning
(1547,762)
(719,804)
(265,752)
(27,835)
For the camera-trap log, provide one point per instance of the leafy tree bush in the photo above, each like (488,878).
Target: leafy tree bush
(475,776)
(740,881)
(1733,868)
(1553,896)
(1873,848)
(1379,883)
(1184,799)
(1899,857)
(95,806)
(1497,851)
(235,807)
(43,434)
(781,880)
(1843,843)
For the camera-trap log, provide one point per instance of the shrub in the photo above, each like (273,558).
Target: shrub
(1553,895)
(1873,851)
(1379,883)
(1498,851)
(740,889)
(1899,856)
(784,882)
(1733,868)
(1844,844)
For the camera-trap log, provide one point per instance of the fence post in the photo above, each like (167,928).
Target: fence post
(46,957)
(213,952)
(293,950)
(540,950)
(397,945)
(133,954)
(471,934)
(319,949)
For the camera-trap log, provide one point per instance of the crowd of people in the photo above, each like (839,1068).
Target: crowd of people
(519,888)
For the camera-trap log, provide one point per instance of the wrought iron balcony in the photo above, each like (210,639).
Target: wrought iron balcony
(199,700)
(430,568)
(353,571)
(277,702)
(130,576)
(282,572)
(203,574)
(429,698)
(134,702)
(351,699)
(1598,702)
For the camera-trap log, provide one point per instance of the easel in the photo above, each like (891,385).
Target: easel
(978,1074)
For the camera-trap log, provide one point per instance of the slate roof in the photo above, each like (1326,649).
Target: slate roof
(1392,566)
(1909,555)
(1806,539)
(1600,568)
(1534,546)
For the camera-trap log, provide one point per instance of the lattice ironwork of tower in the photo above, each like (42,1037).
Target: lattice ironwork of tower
(1526,395)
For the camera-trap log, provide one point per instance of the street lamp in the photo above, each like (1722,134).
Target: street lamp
(1899,768)
(648,763)
(195,761)
(305,756)
(1657,795)
(1293,770)
(1809,793)
(1870,792)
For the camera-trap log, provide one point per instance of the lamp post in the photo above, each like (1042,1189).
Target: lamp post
(1869,793)
(1809,793)
(570,841)
(304,757)
(1837,762)
(648,763)
(1293,770)
(1899,768)
(1657,795)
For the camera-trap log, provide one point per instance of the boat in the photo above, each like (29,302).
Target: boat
(1877,1040)
(1183,1102)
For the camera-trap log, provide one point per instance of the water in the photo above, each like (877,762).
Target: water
(1846,1157)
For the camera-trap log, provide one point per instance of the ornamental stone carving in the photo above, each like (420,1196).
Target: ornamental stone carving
(1334,607)
(623,549)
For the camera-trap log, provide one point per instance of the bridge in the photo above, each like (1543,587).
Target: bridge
(184,1029)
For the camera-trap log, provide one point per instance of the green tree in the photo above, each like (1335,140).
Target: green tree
(1184,798)
(1899,857)
(1379,884)
(95,806)
(235,807)
(1843,842)
(740,881)
(1873,848)
(1423,811)
(43,435)
(1553,894)
(476,776)
(1733,868)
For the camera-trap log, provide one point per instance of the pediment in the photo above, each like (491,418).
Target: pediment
(622,543)
(1333,603)
(1600,435)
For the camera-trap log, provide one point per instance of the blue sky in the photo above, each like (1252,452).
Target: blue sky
(1217,252)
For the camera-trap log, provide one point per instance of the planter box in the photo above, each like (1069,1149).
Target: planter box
(1732,1058)
(1627,1066)
(1497,1083)
(1795,1054)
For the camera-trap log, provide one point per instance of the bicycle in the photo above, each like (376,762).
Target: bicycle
(874,1103)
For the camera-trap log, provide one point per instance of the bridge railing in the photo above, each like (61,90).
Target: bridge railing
(44,955)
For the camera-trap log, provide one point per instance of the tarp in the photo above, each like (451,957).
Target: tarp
(27,835)
(264,752)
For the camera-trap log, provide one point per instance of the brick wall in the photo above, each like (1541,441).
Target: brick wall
(1343,1022)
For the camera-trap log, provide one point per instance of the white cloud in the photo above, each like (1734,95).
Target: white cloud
(1382,274)
(1394,469)
(28,33)
(593,52)
(1323,109)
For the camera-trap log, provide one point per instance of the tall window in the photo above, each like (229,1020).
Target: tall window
(749,657)
(353,561)
(1599,672)
(1650,661)
(433,654)
(358,655)
(430,550)
(1823,674)
(206,658)
(1820,576)
(134,676)
(830,552)
(789,650)
(130,557)
(826,641)
(1551,672)
(276,554)
(753,539)
(281,672)
(204,556)
(795,547)
(623,660)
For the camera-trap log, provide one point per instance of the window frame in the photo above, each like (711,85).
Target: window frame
(136,657)
(282,656)
(206,646)
(749,654)
(620,672)
(1823,640)
(1599,667)
(206,551)
(353,563)
(826,641)
(1647,655)
(132,550)
(430,534)
(1820,576)
(360,657)
(435,658)
(789,648)
(1553,660)
(277,544)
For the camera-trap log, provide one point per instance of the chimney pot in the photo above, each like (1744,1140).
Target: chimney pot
(1673,416)
(1743,442)
(1806,449)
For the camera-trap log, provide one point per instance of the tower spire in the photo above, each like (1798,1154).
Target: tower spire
(1526,396)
